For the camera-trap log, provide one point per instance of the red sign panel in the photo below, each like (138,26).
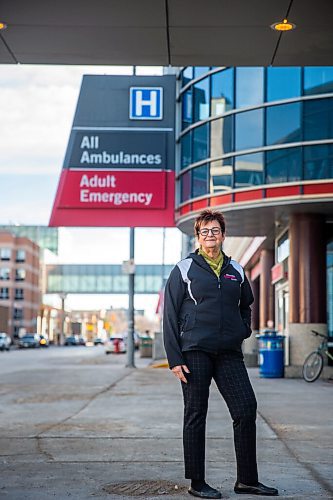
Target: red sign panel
(103,197)
(114,189)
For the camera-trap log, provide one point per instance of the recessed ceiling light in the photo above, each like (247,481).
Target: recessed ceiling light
(284,26)
(3,26)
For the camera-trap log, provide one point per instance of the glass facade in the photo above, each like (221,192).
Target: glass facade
(239,122)
(249,130)
(199,181)
(283,165)
(222,97)
(318,162)
(200,143)
(318,80)
(249,170)
(283,83)
(283,124)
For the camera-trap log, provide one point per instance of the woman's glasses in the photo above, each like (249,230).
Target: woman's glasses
(214,230)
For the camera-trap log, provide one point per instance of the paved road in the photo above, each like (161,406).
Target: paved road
(76,424)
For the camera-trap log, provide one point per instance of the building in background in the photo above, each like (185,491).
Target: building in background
(257,143)
(47,238)
(19,283)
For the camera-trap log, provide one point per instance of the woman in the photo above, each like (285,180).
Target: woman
(206,317)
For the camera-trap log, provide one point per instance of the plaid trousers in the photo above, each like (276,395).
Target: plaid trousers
(229,372)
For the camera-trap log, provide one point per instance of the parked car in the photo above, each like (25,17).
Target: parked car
(29,340)
(5,341)
(116,344)
(43,341)
(98,341)
(72,340)
(81,341)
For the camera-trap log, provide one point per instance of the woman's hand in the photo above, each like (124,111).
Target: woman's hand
(179,372)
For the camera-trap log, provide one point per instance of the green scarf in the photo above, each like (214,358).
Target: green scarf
(215,264)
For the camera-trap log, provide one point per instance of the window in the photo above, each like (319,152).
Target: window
(221,175)
(318,162)
(283,83)
(283,248)
(200,143)
(318,80)
(4,273)
(221,136)
(249,86)
(200,70)
(186,149)
(187,108)
(18,313)
(222,98)
(104,283)
(201,99)
(20,274)
(187,75)
(283,124)
(249,170)
(4,293)
(20,255)
(249,130)
(283,165)
(5,253)
(318,119)
(200,181)
(19,294)
(185,186)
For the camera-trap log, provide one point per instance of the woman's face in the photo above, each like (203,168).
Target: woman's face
(210,236)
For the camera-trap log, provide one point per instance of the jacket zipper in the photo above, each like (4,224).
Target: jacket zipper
(221,316)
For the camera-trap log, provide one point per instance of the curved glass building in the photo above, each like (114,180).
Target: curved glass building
(257,143)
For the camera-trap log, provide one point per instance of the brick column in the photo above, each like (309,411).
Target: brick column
(266,309)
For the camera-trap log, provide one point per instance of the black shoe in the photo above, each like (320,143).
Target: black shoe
(205,492)
(260,489)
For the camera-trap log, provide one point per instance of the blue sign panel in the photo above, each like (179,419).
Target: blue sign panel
(146,103)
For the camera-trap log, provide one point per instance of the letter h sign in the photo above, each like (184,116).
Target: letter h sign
(146,103)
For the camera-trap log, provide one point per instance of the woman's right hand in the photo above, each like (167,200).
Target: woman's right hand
(179,372)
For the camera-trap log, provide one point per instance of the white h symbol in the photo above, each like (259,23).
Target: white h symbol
(140,102)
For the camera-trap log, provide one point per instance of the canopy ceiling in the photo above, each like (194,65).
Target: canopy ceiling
(166,32)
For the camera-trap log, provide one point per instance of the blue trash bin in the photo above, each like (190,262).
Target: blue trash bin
(271,354)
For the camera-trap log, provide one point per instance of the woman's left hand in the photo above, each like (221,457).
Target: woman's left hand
(179,372)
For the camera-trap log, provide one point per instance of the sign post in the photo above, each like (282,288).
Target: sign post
(131,279)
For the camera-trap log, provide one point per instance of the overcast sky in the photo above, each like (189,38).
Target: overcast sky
(37,108)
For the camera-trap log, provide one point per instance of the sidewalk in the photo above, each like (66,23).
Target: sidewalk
(120,437)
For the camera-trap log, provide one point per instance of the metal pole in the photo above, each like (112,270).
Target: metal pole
(130,336)
(63,317)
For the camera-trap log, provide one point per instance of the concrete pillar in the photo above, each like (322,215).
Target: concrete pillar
(266,309)
(312,269)
(307,287)
(293,268)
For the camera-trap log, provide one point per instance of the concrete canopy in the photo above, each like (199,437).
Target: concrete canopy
(166,32)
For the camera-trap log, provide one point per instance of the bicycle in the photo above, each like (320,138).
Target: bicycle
(314,362)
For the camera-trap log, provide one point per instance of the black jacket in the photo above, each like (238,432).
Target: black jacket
(203,312)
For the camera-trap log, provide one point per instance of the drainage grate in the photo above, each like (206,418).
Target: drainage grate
(145,488)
